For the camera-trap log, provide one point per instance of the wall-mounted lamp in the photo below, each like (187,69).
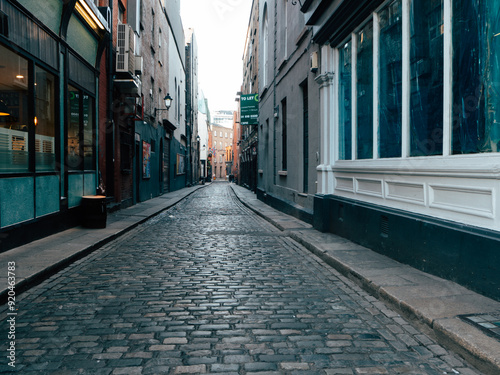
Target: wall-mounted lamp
(276,112)
(197,138)
(168,102)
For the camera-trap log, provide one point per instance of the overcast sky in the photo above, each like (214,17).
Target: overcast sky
(220,28)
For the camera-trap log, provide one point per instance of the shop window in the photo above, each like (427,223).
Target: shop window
(390,80)
(14,120)
(364,86)
(88,133)
(81,136)
(345,104)
(45,123)
(426,75)
(476,76)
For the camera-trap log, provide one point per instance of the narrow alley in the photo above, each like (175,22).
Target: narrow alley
(210,287)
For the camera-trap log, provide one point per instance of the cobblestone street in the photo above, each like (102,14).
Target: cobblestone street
(209,287)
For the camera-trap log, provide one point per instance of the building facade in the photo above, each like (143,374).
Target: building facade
(248,134)
(85,112)
(49,113)
(203,133)
(288,136)
(192,133)
(409,132)
(235,167)
(222,138)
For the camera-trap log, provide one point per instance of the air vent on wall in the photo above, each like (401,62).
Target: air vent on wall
(384,226)
(125,58)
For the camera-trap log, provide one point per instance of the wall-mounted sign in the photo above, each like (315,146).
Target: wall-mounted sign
(249,109)
(146,160)
(181,166)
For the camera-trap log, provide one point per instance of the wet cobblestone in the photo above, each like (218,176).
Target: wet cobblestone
(209,287)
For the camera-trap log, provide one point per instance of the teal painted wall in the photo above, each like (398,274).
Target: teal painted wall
(80,184)
(16,200)
(177,181)
(150,187)
(75,189)
(47,195)
(89,184)
(47,11)
(80,38)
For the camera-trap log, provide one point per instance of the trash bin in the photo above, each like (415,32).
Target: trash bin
(93,210)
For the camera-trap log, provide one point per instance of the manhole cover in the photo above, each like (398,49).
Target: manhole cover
(490,323)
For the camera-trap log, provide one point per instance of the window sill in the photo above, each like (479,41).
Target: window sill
(477,165)
(283,173)
(264,91)
(282,64)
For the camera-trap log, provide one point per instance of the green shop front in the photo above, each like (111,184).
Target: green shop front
(48,115)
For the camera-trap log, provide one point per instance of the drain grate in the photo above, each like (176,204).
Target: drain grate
(490,323)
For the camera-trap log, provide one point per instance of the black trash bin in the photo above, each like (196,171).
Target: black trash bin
(93,210)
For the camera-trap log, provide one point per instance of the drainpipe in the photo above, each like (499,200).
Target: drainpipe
(110,125)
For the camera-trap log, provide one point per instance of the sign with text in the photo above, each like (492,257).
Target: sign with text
(249,106)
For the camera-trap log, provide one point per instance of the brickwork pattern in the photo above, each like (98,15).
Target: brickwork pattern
(208,287)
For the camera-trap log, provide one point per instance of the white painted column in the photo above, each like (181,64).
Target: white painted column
(327,132)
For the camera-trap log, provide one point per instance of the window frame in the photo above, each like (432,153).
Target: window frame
(405,102)
(32,66)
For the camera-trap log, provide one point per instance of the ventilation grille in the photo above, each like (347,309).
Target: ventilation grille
(384,226)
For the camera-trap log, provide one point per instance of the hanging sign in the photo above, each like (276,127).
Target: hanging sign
(249,109)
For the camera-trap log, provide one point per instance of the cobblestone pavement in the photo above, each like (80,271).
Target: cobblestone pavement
(208,287)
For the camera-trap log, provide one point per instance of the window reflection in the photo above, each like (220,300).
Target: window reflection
(345,102)
(390,81)
(74,159)
(365,92)
(476,76)
(81,135)
(45,125)
(88,133)
(14,112)
(426,70)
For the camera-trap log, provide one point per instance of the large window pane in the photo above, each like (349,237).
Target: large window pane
(45,123)
(364,71)
(476,76)
(426,74)
(88,133)
(13,112)
(345,72)
(390,80)
(74,156)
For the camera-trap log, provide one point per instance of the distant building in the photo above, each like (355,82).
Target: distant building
(222,138)
(203,132)
(222,118)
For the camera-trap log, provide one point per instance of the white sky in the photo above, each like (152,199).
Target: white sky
(220,28)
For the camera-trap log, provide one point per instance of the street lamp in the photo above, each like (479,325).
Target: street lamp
(168,102)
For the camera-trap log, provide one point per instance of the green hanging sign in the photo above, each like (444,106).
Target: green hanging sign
(249,107)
